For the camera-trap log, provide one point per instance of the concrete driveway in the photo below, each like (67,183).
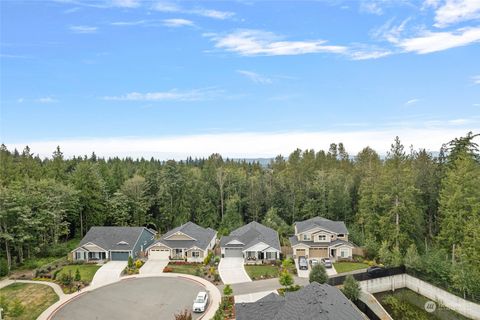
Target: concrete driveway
(153,267)
(331,271)
(302,273)
(108,273)
(231,270)
(135,298)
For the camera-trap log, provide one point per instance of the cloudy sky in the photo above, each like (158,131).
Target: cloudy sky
(242,78)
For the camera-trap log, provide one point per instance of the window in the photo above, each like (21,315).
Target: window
(195,254)
(341,235)
(343,253)
(322,237)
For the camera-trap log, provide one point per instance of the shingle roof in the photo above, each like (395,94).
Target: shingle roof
(294,241)
(251,234)
(334,226)
(109,238)
(202,236)
(313,302)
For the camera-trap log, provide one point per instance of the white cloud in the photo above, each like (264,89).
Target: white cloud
(412,101)
(46,100)
(476,79)
(83,29)
(128,23)
(247,144)
(255,77)
(372,7)
(165,6)
(455,11)
(178,23)
(428,41)
(172,95)
(369,54)
(126,3)
(256,42)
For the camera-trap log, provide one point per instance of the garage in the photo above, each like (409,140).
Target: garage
(159,253)
(119,255)
(300,252)
(233,253)
(318,252)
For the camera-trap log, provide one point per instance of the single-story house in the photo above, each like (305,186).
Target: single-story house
(188,241)
(321,238)
(113,243)
(313,302)
(254,242)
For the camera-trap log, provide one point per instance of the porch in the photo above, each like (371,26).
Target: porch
(98,256)
(260,257)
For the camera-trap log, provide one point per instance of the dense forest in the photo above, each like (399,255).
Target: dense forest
(407,207)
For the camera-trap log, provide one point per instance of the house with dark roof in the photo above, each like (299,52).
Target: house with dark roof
(321,238)
(312,302)
(254,242)
(188,241)
(113,243)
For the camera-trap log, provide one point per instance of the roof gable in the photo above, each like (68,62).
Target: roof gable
(113,238)
(326,224)
(196,235)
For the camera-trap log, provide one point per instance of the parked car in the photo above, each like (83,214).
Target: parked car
(327,263)
(302,263)
(314,262)
(201,301)
(376,271)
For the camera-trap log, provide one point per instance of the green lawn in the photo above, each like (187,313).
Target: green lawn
(184,268)
(31,299)
(256,272)
(349,266)
(87,271)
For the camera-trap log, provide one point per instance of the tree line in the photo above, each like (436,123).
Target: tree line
(409,197)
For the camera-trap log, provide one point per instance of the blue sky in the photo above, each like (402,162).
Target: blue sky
(243,78)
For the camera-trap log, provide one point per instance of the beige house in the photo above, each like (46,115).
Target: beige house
(321,238)
(188,241)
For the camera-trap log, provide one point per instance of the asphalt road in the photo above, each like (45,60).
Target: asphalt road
(135,299)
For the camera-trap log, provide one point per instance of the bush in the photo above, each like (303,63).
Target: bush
(217,260)
(286,279)
(78,277)
(227,291)
(130,262)
(216,277)
(318,274)
(167,269)
(138,264)
(208,258)
(351,288)
(66,279)
(3,267)
(184,315)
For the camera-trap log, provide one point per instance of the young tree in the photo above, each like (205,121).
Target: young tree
(286,279)
(78,277)
(351,288)
(318,274)
(412,259)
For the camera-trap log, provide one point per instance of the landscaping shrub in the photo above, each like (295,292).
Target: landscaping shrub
(78,277)
(227,291)
(138,264)
(216,277)
(167,269)
(208,258)
(130,262)
(318,274)
(217,260)
(351,288)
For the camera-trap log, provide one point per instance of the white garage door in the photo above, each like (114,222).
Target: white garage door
(158,254)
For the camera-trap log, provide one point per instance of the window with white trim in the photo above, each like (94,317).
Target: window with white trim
(195,254)
(322,237)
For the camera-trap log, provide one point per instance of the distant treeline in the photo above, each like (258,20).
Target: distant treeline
(388,203)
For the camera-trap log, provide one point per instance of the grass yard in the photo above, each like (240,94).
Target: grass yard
(28,300)
(257,272)
(184,268)
(349,266)
(87,271)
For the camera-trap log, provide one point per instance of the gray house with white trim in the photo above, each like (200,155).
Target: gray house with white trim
(188,241)
(254,242)
(113,243)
